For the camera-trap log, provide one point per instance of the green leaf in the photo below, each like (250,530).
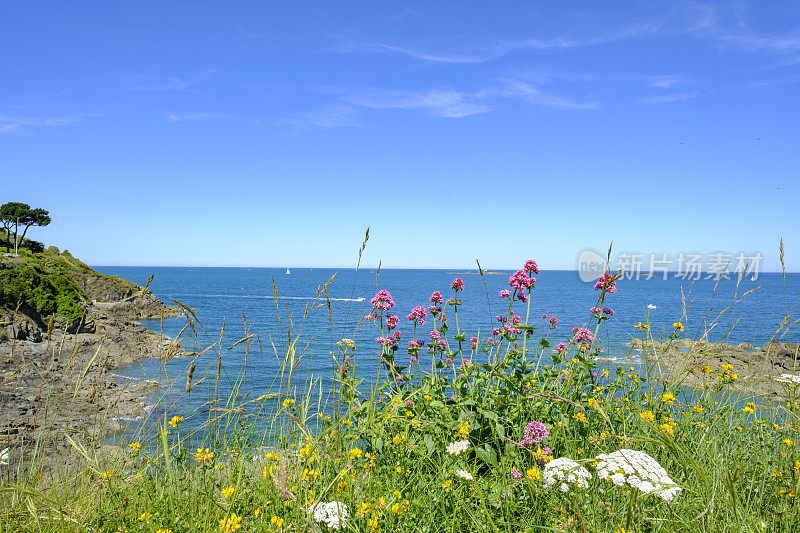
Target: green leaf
(545,343)
(429,444)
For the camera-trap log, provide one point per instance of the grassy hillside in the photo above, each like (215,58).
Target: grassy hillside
(45,282)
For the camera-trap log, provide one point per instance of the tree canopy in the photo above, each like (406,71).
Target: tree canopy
(19,216)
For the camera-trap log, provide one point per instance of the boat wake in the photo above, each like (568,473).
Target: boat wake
(269,297)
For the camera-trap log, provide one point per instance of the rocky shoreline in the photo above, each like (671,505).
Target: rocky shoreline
(699,364)
(63,380)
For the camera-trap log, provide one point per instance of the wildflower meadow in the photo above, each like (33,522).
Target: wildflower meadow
(520,430)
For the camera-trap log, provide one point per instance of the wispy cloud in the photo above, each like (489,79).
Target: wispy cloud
(447,103)
(497,48)
(149,82)
(337,115)
(511,88)
(663,81)
(669,98)
(181,117)
(22,124)
(710,23)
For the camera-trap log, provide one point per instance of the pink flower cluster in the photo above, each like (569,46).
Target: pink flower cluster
(520,281)
(436,298)
(582,335)
(418,313)
(553,322)
(562,347)
(458,284)
(392,321)
(531,266)
(415,344)
(606,283)
(382,300)
(473,342)
(505,293)
(534,432)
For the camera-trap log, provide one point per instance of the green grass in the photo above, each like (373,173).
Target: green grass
(258,464)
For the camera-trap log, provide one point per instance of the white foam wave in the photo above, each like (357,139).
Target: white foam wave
(270,297)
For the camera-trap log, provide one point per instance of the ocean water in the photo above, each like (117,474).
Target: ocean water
(229,294)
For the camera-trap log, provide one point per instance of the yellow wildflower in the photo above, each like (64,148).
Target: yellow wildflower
(750,407)
(227,493)
(135,446)
(355,453)
(678,326)
(669,429)
(463,427)
(705,369)
(288,402)
(175,421)
(446,485)
(203,456)
(145,516)
(533,473)
(108,474)
(230,524)
(648,415)
(580,417)
(788,442)
(163,530)
(276,521)
(668,398)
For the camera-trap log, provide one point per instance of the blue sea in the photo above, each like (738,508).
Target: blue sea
(233,295)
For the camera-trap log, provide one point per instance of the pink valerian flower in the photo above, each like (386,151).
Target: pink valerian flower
(473,342)
(415,344)
(531,266)
(382,300)
(418,313)
(413,359)
(502,318)
(396,335)
(535,431)
(607,283)
(435,335)
(392,321)
(553,322)
(508,328)
(448,361)
(442,344)
(522,297)
(517,319)
(458,284)
(595,310)
(370,317)
(491,341)
(495,331)
(436,298)
(434,310)
(464,364)
(608,312)
(505,293)
(385,341)
(520,281)
(562,347)
(516,474)
(582,335)
(544,317)
(442,317)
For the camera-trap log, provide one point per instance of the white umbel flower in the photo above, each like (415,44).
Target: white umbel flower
(788,378)
(463,474)
(565,472)
(458,447)
(639,470)
(332,514)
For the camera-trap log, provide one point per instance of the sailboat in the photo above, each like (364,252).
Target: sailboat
(288,271)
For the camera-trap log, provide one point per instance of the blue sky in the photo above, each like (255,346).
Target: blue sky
(273,134)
